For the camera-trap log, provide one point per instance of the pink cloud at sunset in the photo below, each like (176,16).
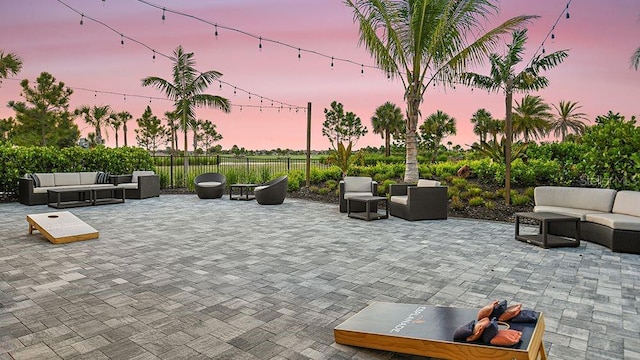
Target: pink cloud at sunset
(600,36)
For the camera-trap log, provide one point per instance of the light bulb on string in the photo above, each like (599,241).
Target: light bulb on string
(154,54)
(216,33)
(234,91)
(299,55)
(553,36)
(260,44)
(543,50)
(163,17)
(249,96)
(149,100)
(220,86)
(568,16)
(81,19)
(121,39)
(332,63)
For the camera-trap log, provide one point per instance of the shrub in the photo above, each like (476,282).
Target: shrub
(489,205)
(324,191)
(530,191)
(453,191)
(384,187)
(456,203)
(331,184)
(476,201)
(296,178)
(488,195)
(474,191)
(459,182)
(518,199)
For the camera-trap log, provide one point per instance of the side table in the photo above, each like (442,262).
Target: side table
(371,208)
(543,238)
(246,191)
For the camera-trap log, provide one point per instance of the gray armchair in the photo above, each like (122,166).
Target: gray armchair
(273,192)
(425,201)
(210,185)
(353,186)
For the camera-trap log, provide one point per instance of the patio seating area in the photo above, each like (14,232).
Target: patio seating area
(175,277)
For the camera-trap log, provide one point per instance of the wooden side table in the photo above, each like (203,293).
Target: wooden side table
(543,238)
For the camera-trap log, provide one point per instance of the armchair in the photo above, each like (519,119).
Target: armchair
(139,184)
(353,186)
(273,192)
(210,185)
(425,201)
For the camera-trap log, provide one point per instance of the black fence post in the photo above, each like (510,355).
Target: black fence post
(171,170)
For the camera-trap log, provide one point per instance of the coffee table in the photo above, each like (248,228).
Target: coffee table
(428,331)
(543,238)
(61,227)
(371,207)
(245,191)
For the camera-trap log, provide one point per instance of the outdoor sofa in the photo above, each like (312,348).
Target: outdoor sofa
(32,188)
(426,200)
(608,217)
(355,186)
(139,185)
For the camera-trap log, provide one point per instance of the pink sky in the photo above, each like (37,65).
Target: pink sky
(600,35)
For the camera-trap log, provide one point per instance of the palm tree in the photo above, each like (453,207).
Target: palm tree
(531,118)
(10,64)
(503,77)
(187,92)
(568,119)
(123,117)
(435,128)
(481,120)
(115,123)
(387,121)
(98,117)
(424,42)
(172,123)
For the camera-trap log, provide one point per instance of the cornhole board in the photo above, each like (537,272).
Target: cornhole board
(428,331)
(61,227)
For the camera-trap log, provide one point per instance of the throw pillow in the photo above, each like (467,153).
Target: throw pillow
(103,178)
(34,177)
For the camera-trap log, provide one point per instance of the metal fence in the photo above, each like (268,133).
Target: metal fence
(170,167)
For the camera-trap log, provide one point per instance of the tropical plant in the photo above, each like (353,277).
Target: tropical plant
(424,42)
(436,127)
(173,124)
(635,59)
(123,117)
(10,64)
(568,118)
(187,92)
(44,118)
(503,77)
(496,151)
(340,127)
(98,117)
(531,118)
(481,120)
(387,121)
(344,157)
(116,124)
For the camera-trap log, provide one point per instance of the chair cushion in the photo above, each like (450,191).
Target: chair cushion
(616,221)
(137,173)
(132,185)
(348,195)
(600,200)
(258,188)
(400,199)
(62,179)
(88,177)
(579,213)
(209,184)
(627,203)
(357,184)
(431,183)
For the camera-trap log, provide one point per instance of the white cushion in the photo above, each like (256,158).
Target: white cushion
(579,213)
(46,179)
(88,178)
(627,202)
(258,188)
(599,200)
(357,184)
(616,221)
(400,199)
(43,190)
(428,183)
(132,185)
(135,174)
(348,195)
(62,179)
(209,184)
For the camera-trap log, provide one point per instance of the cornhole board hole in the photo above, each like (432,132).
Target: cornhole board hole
(428,331)
(61,227)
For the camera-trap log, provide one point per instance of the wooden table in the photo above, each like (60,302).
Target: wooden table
(61,227)
(371,207)
(543,238)
(246,191)
(428,331)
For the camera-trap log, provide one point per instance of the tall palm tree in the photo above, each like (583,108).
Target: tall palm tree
(424,42)
(187,92)
(10,64)
(387,121)
(123,117)
(435,128)
(97,116)
(116,124)
(173,124)
(481,121)
(568,118)
(531,118)
(503,77)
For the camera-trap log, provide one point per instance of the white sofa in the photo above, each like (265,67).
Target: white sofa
(608,217)
(33,187)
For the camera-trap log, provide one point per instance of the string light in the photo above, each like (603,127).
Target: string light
(332,63)
(362,69)
(81,18)
(216,33)
(299,54)
(260,44)
(551,33)
(122,37)
(154,54)
(163,15)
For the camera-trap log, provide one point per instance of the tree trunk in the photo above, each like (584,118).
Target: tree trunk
(411,173)
(116,133)
(507,143)
(186,159)
(124,130)
(387,143)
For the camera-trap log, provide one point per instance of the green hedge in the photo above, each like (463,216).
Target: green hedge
(18,161)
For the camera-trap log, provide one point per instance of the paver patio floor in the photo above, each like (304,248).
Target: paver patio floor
(177,277)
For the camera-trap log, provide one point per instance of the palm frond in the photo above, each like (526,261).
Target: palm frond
(635,59)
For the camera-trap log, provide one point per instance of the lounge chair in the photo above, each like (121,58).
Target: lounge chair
(210,185)
(273,192)
(353,186)
(425,201)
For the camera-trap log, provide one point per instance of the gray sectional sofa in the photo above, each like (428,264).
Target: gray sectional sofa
(608,217)
(140,184)
(32,188)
